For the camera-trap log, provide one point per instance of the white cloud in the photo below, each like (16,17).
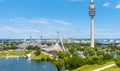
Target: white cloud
(106,4)
(117,6)
(39,21)
(77,0)
(25,31)
(61,22)
(13,29)
(33,26)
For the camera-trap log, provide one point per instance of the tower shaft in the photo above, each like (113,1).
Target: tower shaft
(92,32)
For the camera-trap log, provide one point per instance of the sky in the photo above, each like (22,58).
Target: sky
(24,18)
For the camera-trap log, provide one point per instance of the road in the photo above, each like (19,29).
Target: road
(102,68)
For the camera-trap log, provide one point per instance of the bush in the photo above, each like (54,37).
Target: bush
(59,64)
(26,52)
(37,52)
(117,61)
(48,43)
(48,59)
(90,61)
(89,52)
(60,54)
(107,57)
(94,60)
(42,59)
(100,52)
(31,47)
(74,62)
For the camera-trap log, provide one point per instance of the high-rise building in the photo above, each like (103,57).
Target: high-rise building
(92,14)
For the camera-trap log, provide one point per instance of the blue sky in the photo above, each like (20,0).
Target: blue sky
(22,18)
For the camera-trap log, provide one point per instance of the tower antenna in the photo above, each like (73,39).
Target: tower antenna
(92,14)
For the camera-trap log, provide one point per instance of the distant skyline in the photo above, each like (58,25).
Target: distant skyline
(25,18)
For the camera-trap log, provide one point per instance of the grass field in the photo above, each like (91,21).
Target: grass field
(92,67)
(15,53)
(41,56)
(3,54)
(114,68)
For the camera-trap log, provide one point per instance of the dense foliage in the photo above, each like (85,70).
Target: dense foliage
(59,64)
(117,61)
(79,54)
(34,48)
(7,45)
(31,47)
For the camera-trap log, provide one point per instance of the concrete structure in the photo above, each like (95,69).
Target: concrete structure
(92,14)
(63,48)
(53,48)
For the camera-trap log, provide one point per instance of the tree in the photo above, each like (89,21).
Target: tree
(67,54)
(94,60)
(90,61)
(117,61)
(99,52)
(48,43)
(89,52)
(74,62)
(107,56)
(118,52)
(59,64)
(31,47)
(60,54)
(72,50)
(34,48)
(37,52)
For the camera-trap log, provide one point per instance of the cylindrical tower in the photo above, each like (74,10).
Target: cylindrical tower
(92,14)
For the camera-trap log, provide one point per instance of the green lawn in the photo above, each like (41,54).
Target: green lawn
(91,67)
(16,53)
(39,57)
(3,54)
(114,68)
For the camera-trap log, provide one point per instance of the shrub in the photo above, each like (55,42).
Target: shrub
(90,61)
(42,59)
(94,60)
(31,47)
(107,57)
(59,64)
(37,52)
(117,61)
(26,52)
(48,59)
(74,62)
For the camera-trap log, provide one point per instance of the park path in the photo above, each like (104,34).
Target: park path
(102,68)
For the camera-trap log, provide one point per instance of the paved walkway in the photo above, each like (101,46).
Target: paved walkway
(102,68)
